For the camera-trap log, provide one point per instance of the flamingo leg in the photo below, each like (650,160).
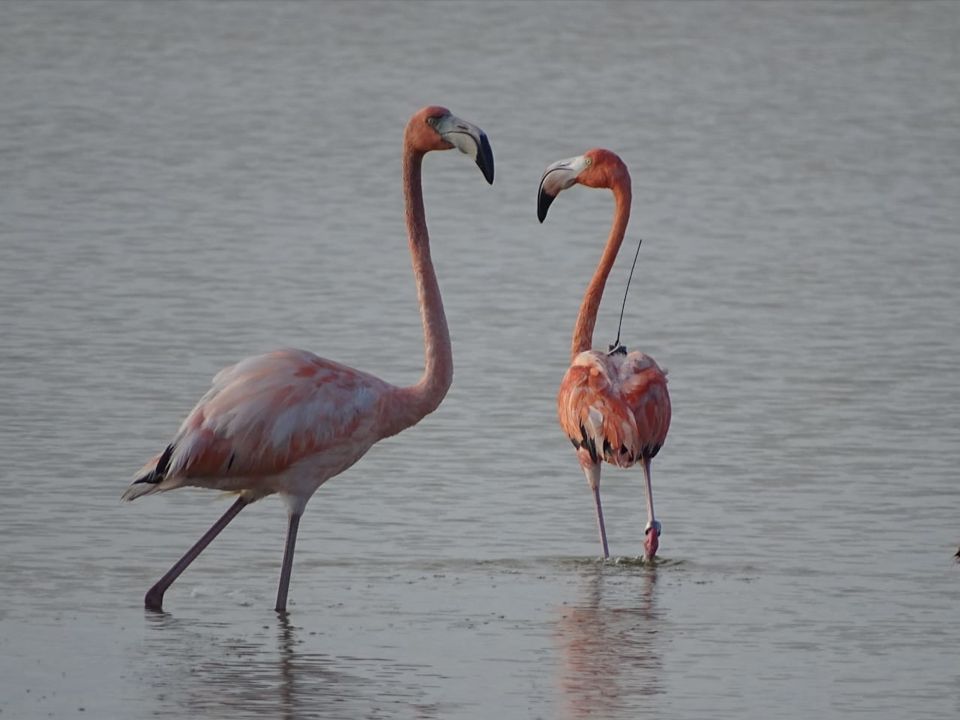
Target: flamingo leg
(651,543)
(154,596)
(287,563)
(593,479)
(603,530)
(648,489)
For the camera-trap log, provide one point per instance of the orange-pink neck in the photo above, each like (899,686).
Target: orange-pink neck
(587,318)
(413,403)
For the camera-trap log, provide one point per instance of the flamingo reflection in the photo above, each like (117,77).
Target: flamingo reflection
(610,647)
(203,669)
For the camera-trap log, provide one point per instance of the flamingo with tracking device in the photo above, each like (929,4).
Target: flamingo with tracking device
(614,406)
(286,422)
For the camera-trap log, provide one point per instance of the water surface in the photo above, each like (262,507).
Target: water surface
(185,184)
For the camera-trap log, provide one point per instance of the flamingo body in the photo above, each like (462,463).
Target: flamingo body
(283,422)
(616,407)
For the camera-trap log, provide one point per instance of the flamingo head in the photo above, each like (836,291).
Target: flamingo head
(651,541)
(436,128)
(597,168)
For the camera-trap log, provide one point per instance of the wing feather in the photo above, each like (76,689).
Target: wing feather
(616,407)
(268,412)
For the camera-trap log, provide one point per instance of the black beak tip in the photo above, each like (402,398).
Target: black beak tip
(543,204)
(485,158)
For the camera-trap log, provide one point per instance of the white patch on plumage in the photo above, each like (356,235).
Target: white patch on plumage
(286,423)
(594,427)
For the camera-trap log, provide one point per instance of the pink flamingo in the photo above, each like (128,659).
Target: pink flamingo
(288,421)
(613,406)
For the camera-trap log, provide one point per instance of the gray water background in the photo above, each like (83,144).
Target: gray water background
(186,184)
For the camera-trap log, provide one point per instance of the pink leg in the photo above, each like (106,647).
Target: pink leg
(154,597)
(287,563)
(603,530)
(593,479)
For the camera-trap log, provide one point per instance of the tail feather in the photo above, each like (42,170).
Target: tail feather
(150,476)
(137,490)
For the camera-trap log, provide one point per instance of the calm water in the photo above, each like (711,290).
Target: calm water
(182,185)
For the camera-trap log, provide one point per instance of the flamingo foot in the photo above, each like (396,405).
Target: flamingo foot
(154,599)
(652,541)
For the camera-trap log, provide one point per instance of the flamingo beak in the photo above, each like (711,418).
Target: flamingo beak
(470,140)
(558,176)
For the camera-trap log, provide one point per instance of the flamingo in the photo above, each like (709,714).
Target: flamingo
(288,421)
(614,405)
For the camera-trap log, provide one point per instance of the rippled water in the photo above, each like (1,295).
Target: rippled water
(185,184)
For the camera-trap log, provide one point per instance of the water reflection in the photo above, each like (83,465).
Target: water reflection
(610,644)
(199,669)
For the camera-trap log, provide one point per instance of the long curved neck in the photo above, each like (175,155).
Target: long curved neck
(409,405)
(587,318)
